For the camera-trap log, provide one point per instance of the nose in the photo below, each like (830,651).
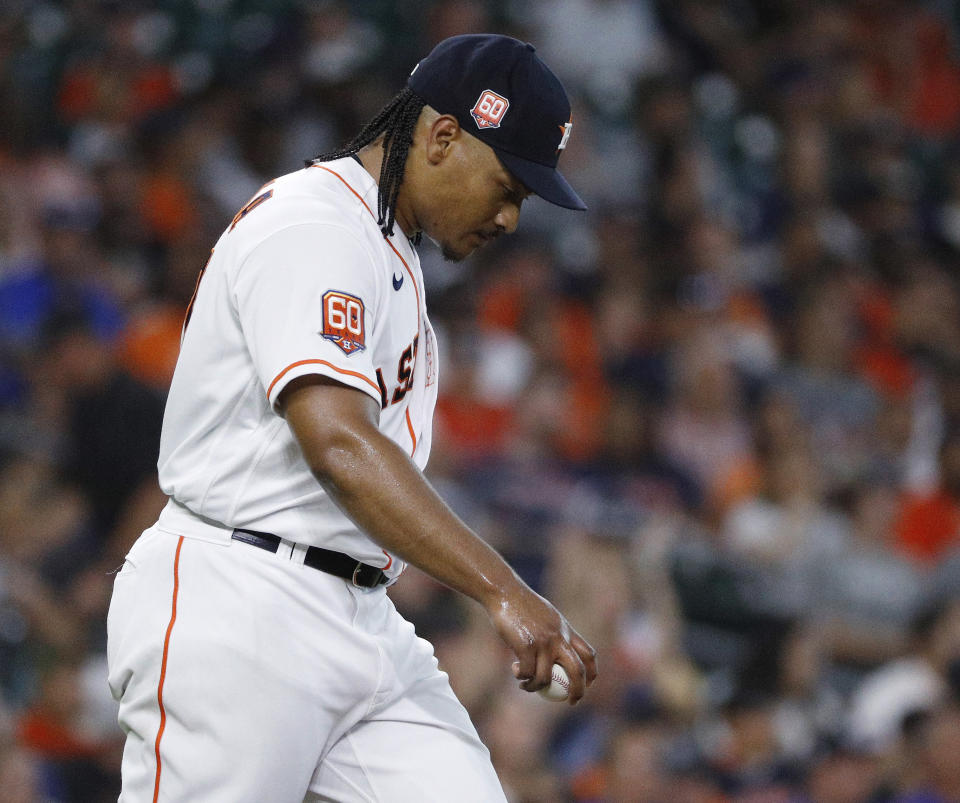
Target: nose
(507,218)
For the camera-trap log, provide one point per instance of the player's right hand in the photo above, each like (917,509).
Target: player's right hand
(540,636)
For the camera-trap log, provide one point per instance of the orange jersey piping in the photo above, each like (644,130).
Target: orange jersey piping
(386,239)
(290,367)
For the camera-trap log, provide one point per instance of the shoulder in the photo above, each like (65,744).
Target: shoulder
(334,196)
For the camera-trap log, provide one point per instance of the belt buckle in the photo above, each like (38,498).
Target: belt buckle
(353,579)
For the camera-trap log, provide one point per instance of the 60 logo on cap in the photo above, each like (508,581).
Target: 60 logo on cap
(343,321)
(489,109)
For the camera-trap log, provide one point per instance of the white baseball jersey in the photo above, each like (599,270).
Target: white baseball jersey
(301,282)
(243,675)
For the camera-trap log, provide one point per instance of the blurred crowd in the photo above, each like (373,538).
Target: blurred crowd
(715,419)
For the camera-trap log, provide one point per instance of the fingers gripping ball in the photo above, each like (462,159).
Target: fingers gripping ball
(559,688)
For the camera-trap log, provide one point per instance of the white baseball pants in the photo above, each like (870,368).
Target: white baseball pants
(243,676)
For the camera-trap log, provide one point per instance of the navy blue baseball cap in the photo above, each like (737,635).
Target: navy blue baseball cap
(501,92)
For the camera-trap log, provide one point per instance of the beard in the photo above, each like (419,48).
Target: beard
(449,252)
(450,255)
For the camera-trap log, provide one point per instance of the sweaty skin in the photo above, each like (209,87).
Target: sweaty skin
(377,484)
(457,192)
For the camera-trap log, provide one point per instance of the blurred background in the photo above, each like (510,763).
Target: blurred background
(716,418)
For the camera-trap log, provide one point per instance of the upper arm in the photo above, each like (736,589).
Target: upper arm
(329,420)
(306,298)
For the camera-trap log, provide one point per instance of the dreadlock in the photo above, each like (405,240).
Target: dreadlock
(395,123)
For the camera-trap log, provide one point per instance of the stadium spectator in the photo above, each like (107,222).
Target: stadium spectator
(717,413)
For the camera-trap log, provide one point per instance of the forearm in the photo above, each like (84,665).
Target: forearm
(383,491)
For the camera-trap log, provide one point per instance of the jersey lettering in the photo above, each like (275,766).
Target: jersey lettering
(428,353)
(193,298)
(383,389)
(405,373)
(343,321)
(259,199)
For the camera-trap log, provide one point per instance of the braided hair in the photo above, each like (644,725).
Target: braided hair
(395,122)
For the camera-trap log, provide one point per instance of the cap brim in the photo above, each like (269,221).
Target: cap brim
(542,180)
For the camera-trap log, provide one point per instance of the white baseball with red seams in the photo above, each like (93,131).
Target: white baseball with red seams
(559,688)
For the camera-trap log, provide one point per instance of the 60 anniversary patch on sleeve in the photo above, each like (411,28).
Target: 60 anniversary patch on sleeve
(343,321)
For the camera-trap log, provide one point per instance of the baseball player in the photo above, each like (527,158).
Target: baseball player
(252,646)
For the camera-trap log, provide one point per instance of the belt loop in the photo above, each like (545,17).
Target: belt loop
(298,553)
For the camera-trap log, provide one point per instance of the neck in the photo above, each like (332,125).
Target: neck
(371,157)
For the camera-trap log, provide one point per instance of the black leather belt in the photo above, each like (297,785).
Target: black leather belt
(326,560)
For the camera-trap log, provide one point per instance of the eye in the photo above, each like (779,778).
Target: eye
(512,195)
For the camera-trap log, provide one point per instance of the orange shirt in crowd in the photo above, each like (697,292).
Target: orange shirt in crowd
(150,344)
(928,525)
(41,733)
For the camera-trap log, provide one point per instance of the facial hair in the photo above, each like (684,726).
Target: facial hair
(450,255)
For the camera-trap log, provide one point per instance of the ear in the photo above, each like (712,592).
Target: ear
(444,131)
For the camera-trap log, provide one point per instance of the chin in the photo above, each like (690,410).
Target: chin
(452,254)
